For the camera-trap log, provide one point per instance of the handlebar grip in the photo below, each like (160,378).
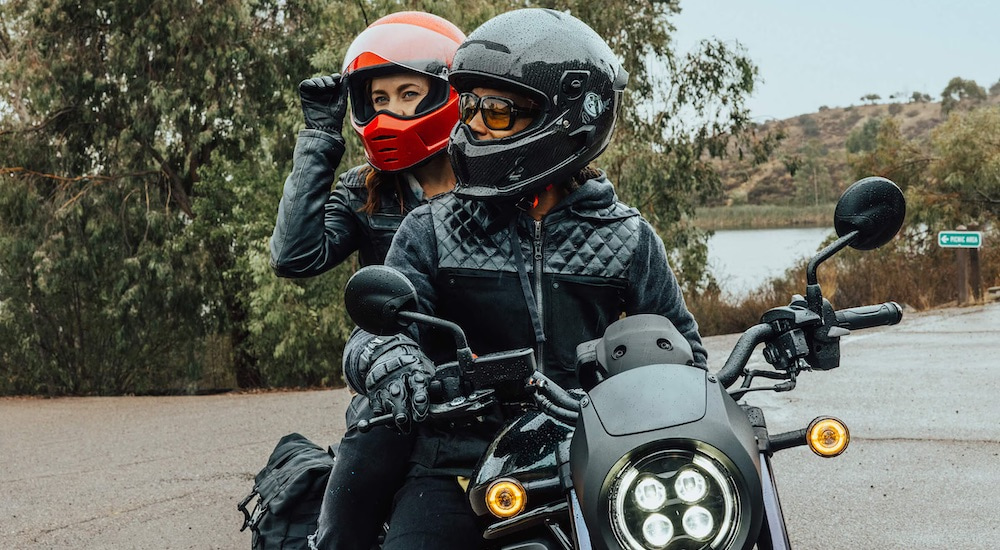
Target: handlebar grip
(877,315)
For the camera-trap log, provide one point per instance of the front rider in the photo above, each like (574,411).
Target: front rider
(532,249)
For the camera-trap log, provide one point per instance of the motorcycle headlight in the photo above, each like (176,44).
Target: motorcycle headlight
(674,500)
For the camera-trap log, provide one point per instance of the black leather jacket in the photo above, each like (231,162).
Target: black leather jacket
(317,229)
(512,282)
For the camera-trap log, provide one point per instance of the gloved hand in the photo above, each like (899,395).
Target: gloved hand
(397,381)
(324,103)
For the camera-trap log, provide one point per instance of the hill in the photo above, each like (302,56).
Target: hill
(810,165)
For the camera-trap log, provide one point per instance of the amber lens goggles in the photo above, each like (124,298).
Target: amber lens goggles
(499,113)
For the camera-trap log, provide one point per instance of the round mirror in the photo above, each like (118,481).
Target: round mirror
(375,295)
(874,207)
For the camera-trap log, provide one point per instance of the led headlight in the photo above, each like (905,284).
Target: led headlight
(674,500)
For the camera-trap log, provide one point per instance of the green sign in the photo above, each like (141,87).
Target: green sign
(960,239)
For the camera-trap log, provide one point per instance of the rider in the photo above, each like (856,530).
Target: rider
(402,107)
(532,249)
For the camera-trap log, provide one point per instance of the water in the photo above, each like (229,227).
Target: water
(743,259)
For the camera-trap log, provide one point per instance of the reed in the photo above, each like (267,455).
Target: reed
(749,216)
(911,270)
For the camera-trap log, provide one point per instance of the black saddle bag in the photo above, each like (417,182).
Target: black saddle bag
(288,493)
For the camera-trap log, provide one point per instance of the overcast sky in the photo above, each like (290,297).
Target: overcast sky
(812,53)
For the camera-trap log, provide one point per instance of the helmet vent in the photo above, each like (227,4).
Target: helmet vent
(383,138)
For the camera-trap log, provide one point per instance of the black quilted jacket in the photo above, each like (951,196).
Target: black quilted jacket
(512,282)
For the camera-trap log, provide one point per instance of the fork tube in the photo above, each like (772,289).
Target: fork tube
(773,515)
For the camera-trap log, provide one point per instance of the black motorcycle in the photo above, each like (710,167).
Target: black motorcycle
(656,453)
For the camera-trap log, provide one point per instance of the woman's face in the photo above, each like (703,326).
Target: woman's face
(399,93)
(483,132)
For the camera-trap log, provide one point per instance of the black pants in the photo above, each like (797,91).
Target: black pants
(432,513)
(370,468)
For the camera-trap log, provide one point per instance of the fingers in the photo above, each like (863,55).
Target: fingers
(420,401)
(328,83)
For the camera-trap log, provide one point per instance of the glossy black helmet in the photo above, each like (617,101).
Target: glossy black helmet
(567,70)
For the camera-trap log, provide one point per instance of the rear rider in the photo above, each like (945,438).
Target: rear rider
(402,107)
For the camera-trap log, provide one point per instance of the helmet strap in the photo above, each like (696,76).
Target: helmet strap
(529,202)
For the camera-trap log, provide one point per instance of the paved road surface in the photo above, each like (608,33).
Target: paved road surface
(923,470)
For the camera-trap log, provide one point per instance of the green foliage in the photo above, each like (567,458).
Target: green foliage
(82,283)
(813,182)
(142,150)
(961,93)
(863,138)
(967,172)
(954,179)
(889,155)
(115,108)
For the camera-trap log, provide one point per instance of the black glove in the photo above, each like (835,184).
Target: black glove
(324,103)
(397,380)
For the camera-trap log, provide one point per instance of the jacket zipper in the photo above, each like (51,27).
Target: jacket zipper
(538,287)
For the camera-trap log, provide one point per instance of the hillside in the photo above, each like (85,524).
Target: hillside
(815,151)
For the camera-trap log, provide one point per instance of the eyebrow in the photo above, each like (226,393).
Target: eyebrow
(400,88)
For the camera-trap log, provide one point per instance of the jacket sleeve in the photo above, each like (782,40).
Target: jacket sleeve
(414,254)
(316,229)
(654,289)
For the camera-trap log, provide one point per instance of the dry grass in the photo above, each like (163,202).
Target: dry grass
(913,272)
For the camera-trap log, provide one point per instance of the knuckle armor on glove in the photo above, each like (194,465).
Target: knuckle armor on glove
(397,378)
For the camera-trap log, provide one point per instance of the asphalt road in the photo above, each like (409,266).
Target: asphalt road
(922,471)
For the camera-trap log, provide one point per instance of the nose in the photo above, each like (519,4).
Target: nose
(399,107)
(477,125)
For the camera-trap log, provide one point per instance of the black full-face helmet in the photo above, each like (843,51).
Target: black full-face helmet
(567,70)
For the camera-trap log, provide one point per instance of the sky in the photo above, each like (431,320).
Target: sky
(813,53)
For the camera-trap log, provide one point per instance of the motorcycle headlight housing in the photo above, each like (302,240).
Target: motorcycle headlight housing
(674,500)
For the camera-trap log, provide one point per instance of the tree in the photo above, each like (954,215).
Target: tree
(883,151)
(142,149)
(864,138)
(995,89)
(961,92)
(812,179)
(966,175)
(871,98)
(115,109)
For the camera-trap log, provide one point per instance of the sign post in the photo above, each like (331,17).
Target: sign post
(967,245)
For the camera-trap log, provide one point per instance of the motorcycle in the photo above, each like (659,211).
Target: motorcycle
(656,453)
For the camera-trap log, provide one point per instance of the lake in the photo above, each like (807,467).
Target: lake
(743,259)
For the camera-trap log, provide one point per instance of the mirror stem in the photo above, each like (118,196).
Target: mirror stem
(464,353)
(825,254)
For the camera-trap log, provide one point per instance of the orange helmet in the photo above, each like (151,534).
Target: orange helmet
(408,41)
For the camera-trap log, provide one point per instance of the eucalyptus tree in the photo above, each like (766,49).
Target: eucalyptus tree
(142,150)
(112,111)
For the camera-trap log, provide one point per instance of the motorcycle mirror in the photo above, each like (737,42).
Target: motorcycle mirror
(375,295)
(875,208)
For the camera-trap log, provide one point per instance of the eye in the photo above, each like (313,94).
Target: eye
(412,94)
(380,100)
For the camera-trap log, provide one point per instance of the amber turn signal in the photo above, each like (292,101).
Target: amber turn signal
(827,436)
(506,498)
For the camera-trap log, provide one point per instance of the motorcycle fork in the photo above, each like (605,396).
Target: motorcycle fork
(773,534)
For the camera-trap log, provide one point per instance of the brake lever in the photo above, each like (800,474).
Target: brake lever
(462,406)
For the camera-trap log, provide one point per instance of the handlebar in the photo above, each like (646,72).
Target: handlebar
(857,318)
